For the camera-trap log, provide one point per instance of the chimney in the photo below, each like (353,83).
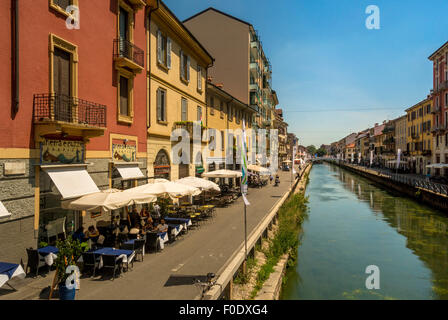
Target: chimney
(210,78)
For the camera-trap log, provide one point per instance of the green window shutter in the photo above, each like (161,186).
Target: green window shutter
(159,46)
(168,53)
(182,64)
(188,68)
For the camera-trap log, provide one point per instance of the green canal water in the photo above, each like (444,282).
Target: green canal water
(353,224)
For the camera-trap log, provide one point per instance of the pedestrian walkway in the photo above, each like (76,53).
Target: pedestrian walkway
(204,250)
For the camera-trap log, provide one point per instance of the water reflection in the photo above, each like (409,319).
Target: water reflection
(353,223)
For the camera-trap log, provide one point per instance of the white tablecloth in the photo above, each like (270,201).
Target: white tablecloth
(19,272)
(163,239)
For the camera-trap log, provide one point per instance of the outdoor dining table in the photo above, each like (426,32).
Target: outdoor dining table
(127,255)
(9,271)
(163,236)
(175,228)
(132,241)
(49,253)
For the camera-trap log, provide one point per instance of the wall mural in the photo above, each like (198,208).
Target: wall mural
(62,152)
(123,152)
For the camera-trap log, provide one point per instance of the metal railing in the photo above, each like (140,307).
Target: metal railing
(59,107)
(415,182)
(125,48)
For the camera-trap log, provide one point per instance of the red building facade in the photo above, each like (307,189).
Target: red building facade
(440,109)
(73,99)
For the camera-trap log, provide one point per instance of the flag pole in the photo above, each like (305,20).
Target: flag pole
(244,190)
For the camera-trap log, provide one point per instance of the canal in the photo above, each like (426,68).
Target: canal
(353,224)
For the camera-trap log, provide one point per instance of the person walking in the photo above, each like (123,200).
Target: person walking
(271,178)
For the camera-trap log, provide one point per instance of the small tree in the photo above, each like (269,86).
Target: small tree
(69,252)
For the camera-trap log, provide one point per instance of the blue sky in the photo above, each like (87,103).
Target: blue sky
(325,60)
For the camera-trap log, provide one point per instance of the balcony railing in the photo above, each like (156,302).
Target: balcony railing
(58,107)
(188,126)
(426,152)
(439,128)
(435,109)
(126,49)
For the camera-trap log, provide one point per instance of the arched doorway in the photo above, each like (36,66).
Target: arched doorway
(162,167)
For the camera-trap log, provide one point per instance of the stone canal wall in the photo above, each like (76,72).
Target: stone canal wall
(435,200)
(272,287)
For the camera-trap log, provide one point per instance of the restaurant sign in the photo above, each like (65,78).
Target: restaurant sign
(62,152)
(123,152)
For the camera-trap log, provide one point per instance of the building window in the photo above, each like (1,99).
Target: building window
(161,105)
(184,66)
(63,67)
(221,110)
(222,140)
(212,105)
(125,96)
(199,114)
(199,78)
(184,109)
(61,5)
(163,50)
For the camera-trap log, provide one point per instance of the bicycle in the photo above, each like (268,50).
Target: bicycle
(206,285)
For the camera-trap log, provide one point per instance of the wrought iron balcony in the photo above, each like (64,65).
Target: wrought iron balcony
(441,128)
(426,152)
(435,109)
(126,54)
(52,108)
(188,126)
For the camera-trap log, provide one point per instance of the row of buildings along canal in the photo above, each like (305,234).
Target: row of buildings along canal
(94,107)
(421,134)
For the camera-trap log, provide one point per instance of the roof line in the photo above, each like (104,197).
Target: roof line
(218,11)
(435,52)
(188,31)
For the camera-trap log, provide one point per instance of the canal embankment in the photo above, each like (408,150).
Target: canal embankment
(273,253)
(429,197)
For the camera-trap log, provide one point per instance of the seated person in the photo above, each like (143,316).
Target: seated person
(134,217)
(135,229)
(79,235)
(161,227)
(149,225)
(92,233)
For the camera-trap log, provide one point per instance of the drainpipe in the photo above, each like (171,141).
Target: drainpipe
(148,61)
(15,53)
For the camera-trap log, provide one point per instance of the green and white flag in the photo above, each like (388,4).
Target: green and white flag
(244,164)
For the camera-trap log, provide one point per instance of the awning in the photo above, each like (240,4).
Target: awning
(129,171)
(3,211)
(71,182)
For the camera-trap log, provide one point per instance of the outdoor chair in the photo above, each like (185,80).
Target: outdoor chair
(90,260)
(111,262)
(132,236)
(35,261)
(127,246)
(139,244)
(152,241)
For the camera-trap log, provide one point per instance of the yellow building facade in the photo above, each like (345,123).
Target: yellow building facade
(176,78)
(418,136)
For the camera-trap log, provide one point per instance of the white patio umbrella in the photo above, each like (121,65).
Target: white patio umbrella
(107,200)
(437,165)
(223,173)
(200,183)
(158,180)
(260,170)
(165,189)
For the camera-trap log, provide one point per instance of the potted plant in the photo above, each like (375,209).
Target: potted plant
(69,252)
